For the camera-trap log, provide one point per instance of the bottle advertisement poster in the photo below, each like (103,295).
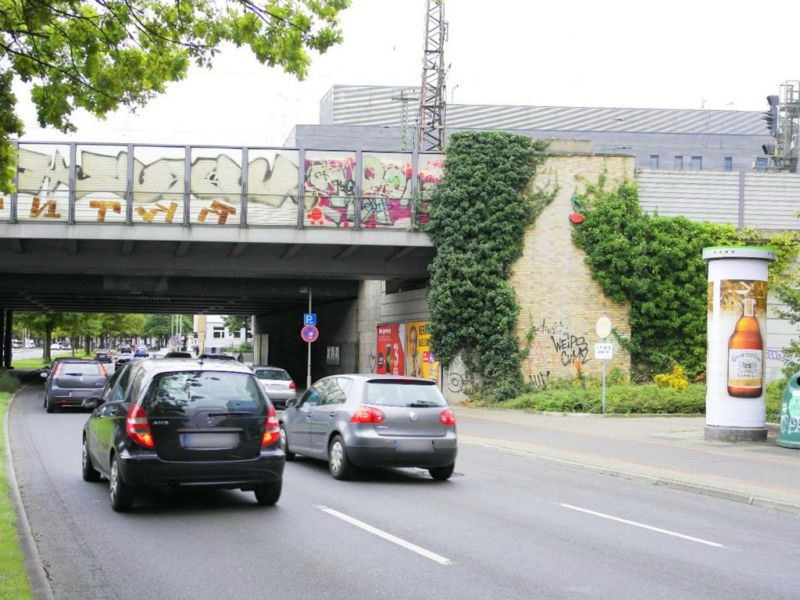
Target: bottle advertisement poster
(420,361)
(737,335)
(390,356)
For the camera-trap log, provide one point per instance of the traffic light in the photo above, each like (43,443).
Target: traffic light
(771,116)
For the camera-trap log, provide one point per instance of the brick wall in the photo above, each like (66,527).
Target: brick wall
(557,296)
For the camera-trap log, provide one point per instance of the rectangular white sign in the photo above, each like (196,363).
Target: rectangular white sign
(603,350)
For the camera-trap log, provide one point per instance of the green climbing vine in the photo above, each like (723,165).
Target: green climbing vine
(478,218)
(655,263)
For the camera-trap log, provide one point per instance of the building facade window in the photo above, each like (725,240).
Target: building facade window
(679,162)
(219,332)
(654,161)
(761,163)
(727,163)
(697,163)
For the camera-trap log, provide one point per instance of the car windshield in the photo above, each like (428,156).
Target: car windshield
(83,368)
(273,374)
(391,392)
(188,391)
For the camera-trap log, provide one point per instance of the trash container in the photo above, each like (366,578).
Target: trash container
(789,434)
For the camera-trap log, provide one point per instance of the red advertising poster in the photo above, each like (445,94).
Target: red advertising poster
(390,356)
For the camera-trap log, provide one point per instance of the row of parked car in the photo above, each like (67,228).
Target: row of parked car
(176,422)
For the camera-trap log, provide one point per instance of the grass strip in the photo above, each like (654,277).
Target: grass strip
(14,583)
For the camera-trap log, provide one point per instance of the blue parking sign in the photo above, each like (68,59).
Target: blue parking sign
(310,319)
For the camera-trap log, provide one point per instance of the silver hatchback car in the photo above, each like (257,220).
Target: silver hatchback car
(278,384)
(372,421)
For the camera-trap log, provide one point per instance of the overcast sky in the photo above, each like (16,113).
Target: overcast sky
(616,53)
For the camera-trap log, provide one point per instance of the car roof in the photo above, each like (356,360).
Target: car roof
(379,376)
(164,365)
(265,367)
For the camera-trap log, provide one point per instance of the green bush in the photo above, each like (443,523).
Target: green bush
(8,382)
(620,399)
(774,398)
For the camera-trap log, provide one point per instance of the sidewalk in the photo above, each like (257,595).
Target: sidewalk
(667,451)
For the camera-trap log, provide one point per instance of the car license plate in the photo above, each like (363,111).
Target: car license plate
(414,445)
(209,441)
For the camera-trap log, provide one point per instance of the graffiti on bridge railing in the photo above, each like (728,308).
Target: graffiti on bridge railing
(206,186)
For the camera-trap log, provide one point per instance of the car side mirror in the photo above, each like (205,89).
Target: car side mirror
(91,403)
(291,402)
(44,373)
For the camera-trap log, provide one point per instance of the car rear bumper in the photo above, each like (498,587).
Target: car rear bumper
(148,470)
(402,452)
(74,397)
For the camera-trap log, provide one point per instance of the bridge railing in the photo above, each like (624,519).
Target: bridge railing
(141,184)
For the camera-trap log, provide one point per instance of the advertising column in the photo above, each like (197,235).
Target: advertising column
(737,319)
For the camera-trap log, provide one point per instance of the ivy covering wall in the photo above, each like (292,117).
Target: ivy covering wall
(656,264)
(478,218)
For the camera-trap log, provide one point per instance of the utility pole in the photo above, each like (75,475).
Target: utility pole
(432,93)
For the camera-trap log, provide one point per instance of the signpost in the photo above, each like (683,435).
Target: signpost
(309,333)
(603,351)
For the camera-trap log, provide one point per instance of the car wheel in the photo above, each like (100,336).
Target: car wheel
(122,495)
(268,494)
(89,472)
(290,456)
(442,473)
(338,464)
(49,406)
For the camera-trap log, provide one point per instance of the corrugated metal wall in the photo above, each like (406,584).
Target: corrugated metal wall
(765,201)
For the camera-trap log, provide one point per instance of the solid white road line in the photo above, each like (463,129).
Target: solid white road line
(643,526)
(387,536)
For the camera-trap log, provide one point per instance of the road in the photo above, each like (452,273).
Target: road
(505,526)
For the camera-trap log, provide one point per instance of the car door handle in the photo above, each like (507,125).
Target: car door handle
(332,413)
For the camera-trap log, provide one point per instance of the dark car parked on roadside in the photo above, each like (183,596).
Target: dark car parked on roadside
(372,421)
(103,356)
(69,381)
(173,423)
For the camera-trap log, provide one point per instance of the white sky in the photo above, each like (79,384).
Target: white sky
(720,54)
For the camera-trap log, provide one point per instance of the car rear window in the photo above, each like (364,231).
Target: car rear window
(403,393)
(273,375)
(80,369)
(185,392)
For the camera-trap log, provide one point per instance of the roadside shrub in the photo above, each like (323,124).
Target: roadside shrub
(8,382)
(620,399)
(677,379)
(774,397)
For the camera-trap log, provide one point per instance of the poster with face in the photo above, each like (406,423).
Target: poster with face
(390,356)
(420,361)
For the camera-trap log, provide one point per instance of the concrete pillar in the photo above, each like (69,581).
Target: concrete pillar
(2,336)
(9,321)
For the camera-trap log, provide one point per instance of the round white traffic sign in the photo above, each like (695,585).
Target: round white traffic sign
(603,327)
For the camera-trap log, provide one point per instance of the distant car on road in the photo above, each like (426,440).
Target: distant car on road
(372,421)
(278,384)
(69,381)
(173,423)
(124,354)
(103,356)
(177,354)
(141,352)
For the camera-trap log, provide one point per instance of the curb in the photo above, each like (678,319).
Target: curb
(657,481)
(40,586)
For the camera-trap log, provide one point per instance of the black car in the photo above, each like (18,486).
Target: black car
(173,423)
(103,356)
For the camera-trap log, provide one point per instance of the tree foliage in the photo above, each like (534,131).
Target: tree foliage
(100,54)
(478,217)
(656,264)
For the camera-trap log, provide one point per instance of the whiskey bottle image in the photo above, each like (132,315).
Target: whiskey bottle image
(746,355)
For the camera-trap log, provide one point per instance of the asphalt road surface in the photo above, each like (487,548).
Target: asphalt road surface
(505,526)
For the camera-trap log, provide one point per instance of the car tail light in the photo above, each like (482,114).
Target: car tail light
(447,417)
(292,385)
(272,429)
(368,414)
(138,428)
(103,371)
(57,372)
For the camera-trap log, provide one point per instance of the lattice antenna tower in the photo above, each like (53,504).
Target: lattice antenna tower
(432,93)
(783,120)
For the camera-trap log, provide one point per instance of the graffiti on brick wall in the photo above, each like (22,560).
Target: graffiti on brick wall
(215,186)
(539,380)
(572,349)
(554,352)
